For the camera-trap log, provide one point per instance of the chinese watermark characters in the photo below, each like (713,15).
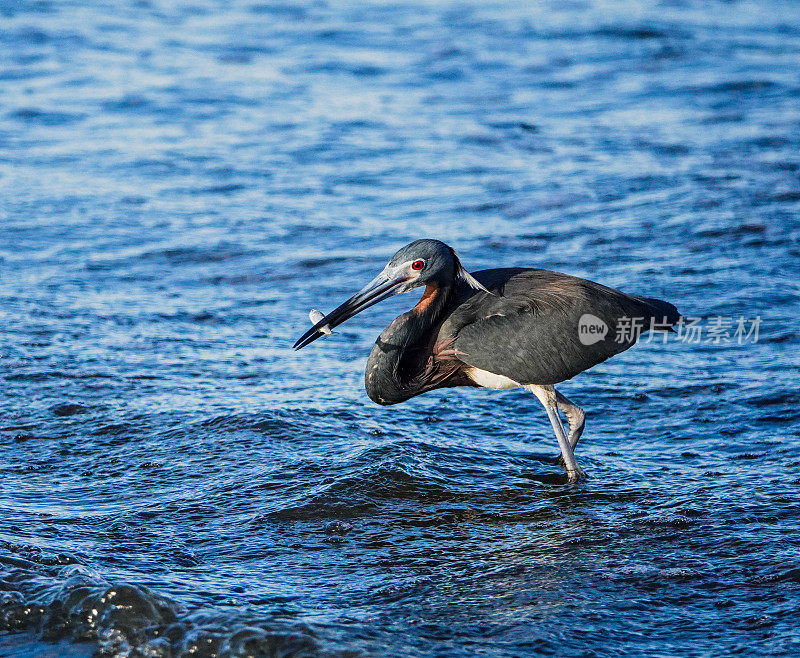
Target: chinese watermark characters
(714,330)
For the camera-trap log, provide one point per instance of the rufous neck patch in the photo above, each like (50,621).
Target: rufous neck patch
(431,290)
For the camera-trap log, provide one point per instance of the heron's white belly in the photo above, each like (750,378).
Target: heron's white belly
(490,380)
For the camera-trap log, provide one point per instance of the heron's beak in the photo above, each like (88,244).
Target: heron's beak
(382,286)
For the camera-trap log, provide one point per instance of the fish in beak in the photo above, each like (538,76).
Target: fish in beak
(381,287)
(315,316)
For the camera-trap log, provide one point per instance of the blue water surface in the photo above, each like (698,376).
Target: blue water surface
(180,182)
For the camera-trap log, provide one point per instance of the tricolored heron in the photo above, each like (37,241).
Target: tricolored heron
(500,328)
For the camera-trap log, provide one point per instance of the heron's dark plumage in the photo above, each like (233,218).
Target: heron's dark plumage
(528,332)
(525,328)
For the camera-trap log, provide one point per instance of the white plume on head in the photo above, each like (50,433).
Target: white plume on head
(466,277)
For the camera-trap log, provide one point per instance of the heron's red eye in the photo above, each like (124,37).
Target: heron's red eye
(417,264)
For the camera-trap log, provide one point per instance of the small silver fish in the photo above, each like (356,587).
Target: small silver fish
(315,317)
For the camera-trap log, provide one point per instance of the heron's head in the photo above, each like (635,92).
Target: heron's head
(423,262)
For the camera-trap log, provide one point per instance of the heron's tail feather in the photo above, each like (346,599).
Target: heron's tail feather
(660,310)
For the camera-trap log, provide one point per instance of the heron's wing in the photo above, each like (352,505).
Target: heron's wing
(530,331)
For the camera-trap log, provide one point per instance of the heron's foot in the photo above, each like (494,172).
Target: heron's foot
(577,475)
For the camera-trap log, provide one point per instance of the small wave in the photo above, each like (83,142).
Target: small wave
(732,87)
(75,603)
(45,117)
(643,33)
(69,409)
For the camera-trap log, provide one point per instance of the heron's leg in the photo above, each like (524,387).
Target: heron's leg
(576,418)
(547,396)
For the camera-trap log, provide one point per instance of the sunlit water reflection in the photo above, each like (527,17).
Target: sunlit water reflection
(180,184)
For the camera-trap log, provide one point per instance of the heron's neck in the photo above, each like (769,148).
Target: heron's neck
(385,377)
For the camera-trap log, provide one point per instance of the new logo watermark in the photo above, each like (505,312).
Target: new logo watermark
(715,330)
(591,329)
